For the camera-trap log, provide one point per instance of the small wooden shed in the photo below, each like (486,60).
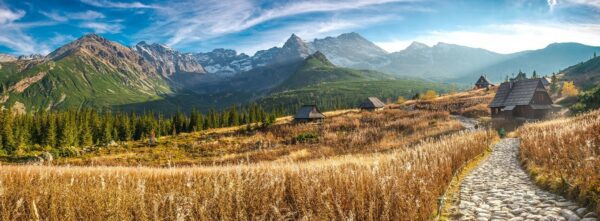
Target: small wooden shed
(372,104)
(308,113)
(527,99)
(483,82)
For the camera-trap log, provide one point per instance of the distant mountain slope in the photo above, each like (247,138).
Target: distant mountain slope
(90,71)
(350,50)
(585,74)
(316,69)
(440,62)
(544,61)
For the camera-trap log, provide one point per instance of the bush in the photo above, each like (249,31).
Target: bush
(308,137)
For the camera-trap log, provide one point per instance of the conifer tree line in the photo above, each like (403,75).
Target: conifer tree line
(59,130)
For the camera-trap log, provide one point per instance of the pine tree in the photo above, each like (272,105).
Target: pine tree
(50,132)
(7,130)
(86,138)
(234,117)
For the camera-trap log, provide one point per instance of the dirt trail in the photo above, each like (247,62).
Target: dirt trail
(499,189)
(468,123)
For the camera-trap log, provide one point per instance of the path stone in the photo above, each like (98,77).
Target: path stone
(499,189)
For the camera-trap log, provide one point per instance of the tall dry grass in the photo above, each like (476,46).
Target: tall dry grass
(472,103)
(399,185)
(344,133)
(564,156)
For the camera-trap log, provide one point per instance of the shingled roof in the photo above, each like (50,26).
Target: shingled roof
(483,81)
(309,112)
(516,93)
(372,102)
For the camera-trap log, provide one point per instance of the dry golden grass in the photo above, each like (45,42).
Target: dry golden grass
(343,132)
(564,156)
(473,103)
(403,184)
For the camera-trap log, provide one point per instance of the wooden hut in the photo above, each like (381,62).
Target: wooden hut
(483,82)
(372,104)
(546,81)
(308,113)
(525,99)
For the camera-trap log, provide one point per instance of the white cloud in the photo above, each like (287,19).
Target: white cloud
(55,16)
(112,4)
(100,27)
(8,16)
(552,3)
(307,31)
(593,3)
(12,35)
(187,22)
(507,38)
(86,15)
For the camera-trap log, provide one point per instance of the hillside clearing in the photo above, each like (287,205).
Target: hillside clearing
(401,185)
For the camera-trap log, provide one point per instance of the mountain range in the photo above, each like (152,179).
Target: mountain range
(93,71)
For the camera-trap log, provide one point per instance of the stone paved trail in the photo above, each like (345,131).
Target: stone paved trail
(468,123)
(499,189)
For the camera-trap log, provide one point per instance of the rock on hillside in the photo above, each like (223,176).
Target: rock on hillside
(224,61)
(110,53)
(167,61)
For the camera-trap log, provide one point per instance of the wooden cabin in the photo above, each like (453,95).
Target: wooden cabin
(483,82)
(523,99)
(308,113)
(546,81)
(372,104)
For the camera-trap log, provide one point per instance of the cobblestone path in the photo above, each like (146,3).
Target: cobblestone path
(499,189)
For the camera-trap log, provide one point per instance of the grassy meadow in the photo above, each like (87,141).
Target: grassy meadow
(402,184)
(563,156)
(344,132)
(472,103)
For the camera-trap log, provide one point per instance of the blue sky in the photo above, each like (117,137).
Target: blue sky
(40,26)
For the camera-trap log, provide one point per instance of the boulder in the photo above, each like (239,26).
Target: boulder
(47,156)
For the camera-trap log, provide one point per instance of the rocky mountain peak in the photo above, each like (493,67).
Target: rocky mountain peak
(320,57)
(296,43)
(351,36)
(293,49)
(30,57)
(166,60)
(7,58)
(91,38)
(415,45)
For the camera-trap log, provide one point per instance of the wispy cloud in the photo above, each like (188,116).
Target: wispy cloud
(8,16)
(63,17)
(100,27)
(593,3)
(113,4)
(507,38)
(307,31)
(187,22)
(11,33)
